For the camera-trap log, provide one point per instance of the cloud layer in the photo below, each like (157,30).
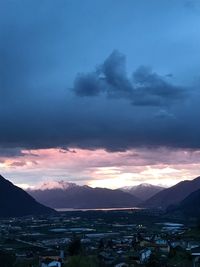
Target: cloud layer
(113,107)
(106,110)
(101,168)
(146,88)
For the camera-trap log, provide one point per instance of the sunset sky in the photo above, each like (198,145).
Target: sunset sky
(99,92)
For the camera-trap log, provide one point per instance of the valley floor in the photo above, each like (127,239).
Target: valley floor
(98,239)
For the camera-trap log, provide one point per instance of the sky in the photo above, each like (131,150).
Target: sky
(104,93)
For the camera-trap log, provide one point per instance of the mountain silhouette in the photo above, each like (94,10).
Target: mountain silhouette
(16,202)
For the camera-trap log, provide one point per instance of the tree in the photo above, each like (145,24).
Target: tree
(101,244)
(82,261)
(7,259)
(153,261)
(75,247)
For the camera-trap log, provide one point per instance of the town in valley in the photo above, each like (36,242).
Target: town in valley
(120,238)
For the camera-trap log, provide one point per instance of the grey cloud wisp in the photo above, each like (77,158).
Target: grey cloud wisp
(145,88)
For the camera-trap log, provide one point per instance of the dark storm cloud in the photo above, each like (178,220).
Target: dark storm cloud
(152,89)
(42,42)
(28,34)
(11,152)
(110,77)
(146,88)
(71,122)
(156,114)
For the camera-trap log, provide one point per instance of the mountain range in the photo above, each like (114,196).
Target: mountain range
(16,202)
(142,191)
(62,194)
(173,195)
(69,195)
(183,197)
(189,207)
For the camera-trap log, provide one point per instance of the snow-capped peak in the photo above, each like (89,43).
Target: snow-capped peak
(49,185)
(145,185)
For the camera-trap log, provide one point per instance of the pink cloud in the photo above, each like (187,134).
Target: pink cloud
(99,167)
